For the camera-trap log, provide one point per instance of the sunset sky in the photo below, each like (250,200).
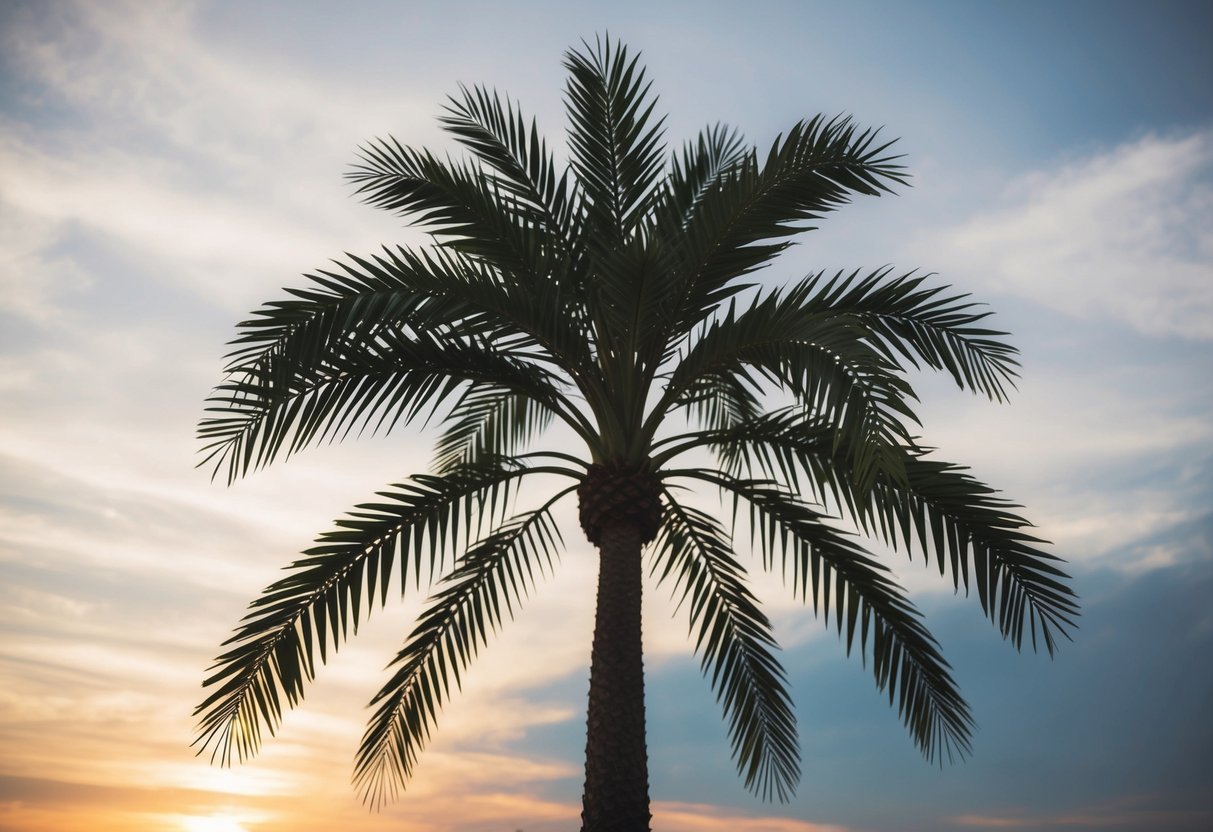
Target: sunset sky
(166,167)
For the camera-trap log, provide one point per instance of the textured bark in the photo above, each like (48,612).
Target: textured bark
(614,494)
(616,797)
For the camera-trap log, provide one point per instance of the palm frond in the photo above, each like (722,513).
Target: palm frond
(615,146)
(826,567)
(408,531)
(721,401)
(938,510)
(550,325)
(791,445)
(488,420)
(736,643)
(338,304)
(745,216)
(823,360)
(293,349)
(633,282)
(942,510)
(716,152)
(471,213)
(631,292)
(517,156)
(922,324)
(495,575)
(271,406)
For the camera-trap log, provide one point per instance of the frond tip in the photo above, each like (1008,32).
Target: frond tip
(493,577)
(737,646)
(328,592)
(827,568)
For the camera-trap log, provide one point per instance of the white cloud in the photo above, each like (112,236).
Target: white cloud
(34,279)
(1125,235)
(147,78)
(1100,456)
(216,171)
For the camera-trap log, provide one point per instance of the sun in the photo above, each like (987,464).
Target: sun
(214,823)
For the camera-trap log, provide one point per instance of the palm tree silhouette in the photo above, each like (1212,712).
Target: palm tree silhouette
(612,297)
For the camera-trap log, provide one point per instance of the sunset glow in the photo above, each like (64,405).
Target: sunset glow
(167,167)
(216,823)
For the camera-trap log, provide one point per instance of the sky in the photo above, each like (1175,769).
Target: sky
(167,167)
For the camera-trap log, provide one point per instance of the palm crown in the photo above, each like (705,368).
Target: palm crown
(612,297)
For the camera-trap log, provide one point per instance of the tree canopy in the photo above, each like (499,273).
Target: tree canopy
(616,296)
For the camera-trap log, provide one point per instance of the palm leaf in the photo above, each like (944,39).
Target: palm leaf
(294,346)
(497,572)
(472,213)
(914,323)
(943,510)
(743,218)
(273,404)
(939,509)
(792,445)
(736,643)
(488,420)
(826,567)
(615,147)
(327,592)
(631,291)
(338,304)
(715,153)
(518,156)
(823,360)
(721,401)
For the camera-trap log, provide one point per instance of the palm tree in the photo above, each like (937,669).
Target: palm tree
(613,298)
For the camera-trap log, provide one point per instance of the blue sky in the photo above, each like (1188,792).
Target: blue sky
(164,168)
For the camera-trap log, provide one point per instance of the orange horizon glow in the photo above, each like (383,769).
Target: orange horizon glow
(167,167)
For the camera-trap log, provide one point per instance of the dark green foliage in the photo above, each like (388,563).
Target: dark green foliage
(612,298)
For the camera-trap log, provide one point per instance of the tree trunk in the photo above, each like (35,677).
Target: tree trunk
(616,797)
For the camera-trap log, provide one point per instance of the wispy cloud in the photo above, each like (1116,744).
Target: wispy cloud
(1106,260)
(1122,235)
(1099,456)
(196,164)
(697,817)
(148,77)
(1134,812)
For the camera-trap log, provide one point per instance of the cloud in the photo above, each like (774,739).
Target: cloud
(211,170)
(145,159)
(33,277)
(148,77)
(1123,235)
(698,817)
(1134,812)
(1097,455)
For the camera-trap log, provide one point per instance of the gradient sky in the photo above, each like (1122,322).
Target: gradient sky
(166,167)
